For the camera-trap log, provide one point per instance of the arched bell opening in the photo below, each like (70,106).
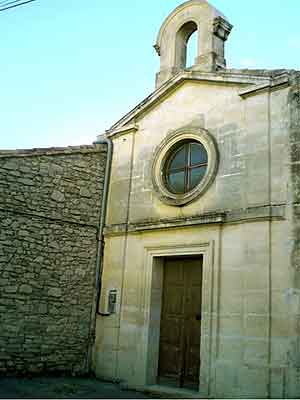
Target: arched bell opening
(186,45)
(193,35)
(192,49)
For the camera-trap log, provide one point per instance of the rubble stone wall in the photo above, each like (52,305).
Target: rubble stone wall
(49,211)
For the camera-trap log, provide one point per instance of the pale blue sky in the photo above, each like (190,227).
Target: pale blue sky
(71,68)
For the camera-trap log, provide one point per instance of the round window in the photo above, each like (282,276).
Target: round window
(184,165)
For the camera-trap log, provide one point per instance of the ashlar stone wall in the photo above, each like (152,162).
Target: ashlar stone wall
(294,209)
(50,201)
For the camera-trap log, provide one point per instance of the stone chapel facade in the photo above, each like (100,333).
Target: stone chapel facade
(166,256)
(200,284)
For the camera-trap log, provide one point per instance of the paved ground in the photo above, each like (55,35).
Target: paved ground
(63,388)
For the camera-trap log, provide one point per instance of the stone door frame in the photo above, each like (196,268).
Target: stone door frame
(153,282)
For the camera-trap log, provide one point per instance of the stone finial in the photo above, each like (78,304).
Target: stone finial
(157,49)
(222,28)
(213,30)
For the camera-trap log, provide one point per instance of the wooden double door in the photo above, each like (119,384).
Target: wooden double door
(180,329)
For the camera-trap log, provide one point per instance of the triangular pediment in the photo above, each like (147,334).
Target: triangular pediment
(249,81)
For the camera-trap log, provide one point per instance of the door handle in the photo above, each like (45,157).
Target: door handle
(198,317)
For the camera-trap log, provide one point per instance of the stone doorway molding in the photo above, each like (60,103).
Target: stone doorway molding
(153,283)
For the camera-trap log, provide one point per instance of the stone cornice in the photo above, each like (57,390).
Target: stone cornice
(122,130)
(250,214)
(276,83)
(222,77)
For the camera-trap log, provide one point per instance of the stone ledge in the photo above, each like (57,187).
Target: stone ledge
(123,130)
(251,214)
(276,83)
(52,151)
(256,213)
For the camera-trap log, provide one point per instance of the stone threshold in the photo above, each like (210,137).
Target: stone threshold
(170,392)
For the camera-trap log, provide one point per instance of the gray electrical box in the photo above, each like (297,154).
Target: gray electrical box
(112,301)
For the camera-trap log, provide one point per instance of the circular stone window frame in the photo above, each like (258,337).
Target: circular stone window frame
(162,154)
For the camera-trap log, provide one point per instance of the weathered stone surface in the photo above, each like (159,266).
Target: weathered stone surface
(48,234)
(55,292)
(293,376)
(250,302)
(54,183)
(85,192)
(25,289)
(57,196)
